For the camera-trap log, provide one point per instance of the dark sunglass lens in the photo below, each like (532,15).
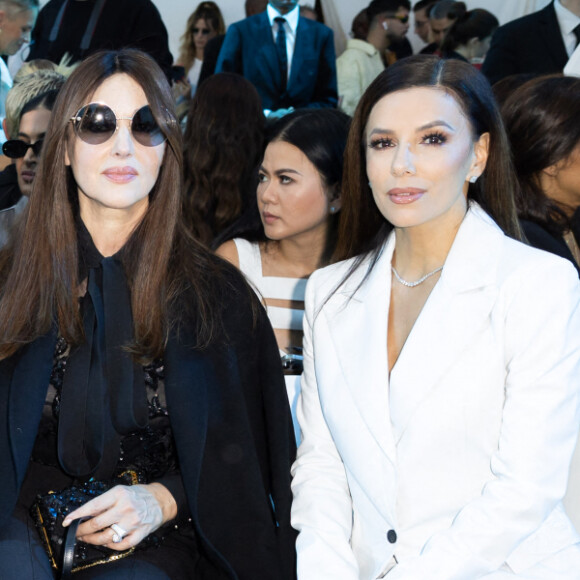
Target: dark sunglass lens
(14,148)
(145,128)
(95,124)
(37,147)
(405,19)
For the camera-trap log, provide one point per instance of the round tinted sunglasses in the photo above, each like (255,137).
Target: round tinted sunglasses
(96,123)
(16,149)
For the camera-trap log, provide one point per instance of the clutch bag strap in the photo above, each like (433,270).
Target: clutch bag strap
(69,548)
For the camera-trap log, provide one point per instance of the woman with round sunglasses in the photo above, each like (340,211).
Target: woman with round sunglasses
(130,354)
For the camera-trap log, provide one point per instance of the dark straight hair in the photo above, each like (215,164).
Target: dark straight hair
(477,23)
(321,135)
(39,270)
(542,120)
(363,229)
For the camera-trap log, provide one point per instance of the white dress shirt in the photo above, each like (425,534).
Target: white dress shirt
(567,21)
(290,28)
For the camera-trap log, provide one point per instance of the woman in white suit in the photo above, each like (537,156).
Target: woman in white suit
(441,387)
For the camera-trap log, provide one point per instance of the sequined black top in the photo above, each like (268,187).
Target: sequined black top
(149,451)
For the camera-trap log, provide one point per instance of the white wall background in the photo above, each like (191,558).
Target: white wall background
(176,12)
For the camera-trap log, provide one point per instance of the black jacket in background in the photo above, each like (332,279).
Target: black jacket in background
(9,191)
(121,24)
(539,237)
(531,44)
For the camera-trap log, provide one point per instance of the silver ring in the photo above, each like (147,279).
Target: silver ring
(119,533)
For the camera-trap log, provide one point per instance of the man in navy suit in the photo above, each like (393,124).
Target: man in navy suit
(290,60)
(539,43)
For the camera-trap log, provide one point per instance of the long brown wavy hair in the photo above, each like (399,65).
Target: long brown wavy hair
(223,145)
(39,269)
(363,229)
(208,11)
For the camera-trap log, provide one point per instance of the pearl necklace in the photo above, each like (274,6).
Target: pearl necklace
(417,282)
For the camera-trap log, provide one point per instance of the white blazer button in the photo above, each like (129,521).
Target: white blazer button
(392,536)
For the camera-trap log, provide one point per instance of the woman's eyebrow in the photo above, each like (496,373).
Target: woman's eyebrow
(430,125)
(437,123)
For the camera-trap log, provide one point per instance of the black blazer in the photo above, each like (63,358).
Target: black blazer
(531,44)
(233,431)
(539,237)
(121,24)
(249,50)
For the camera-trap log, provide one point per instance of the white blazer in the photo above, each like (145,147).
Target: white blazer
(455,467)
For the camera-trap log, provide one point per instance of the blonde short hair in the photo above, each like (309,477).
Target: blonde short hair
(28,88)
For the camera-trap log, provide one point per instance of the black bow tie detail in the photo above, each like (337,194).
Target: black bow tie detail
(103,393)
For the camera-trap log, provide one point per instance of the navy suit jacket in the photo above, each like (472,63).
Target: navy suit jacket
(531,44)
(249,50)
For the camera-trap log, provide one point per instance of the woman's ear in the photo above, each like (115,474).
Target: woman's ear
(473,47)
(480,155)
(553,170)
(66,156)
(335,206)
(335,202)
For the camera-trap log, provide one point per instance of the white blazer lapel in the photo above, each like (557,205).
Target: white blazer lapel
(358,324)
(454,315)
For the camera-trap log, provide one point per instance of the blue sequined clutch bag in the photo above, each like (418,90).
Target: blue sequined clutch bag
(50,510)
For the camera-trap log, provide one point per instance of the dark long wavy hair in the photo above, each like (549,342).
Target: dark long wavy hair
(39,270)
(321,135)
(542,119)
(363,229)
(223,143)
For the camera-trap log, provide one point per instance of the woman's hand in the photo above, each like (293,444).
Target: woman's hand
(137,509)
